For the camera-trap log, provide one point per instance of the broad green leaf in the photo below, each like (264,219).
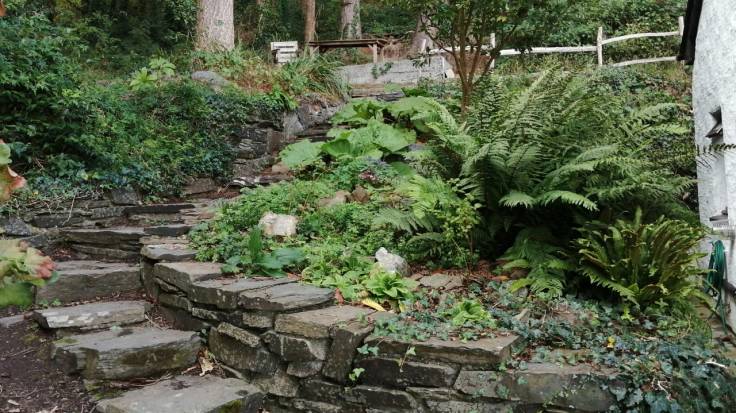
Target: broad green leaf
(301,154)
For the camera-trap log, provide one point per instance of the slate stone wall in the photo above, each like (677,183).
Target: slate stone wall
(299,347)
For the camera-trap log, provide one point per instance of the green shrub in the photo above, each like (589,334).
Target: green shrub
(645,265)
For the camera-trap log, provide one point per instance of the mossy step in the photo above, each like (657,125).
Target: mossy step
(94,316)
(190,394)
(126,353)
(86,280)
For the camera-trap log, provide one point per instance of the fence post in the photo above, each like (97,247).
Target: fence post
(599,46)
(493,46)
(681,25)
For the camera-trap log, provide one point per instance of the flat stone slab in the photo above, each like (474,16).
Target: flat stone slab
(106,236)
(93,316)
(484,352)
(158,209)
(7,322)
(188,394)
(382,371)
(320,322)
(579,387)
(170,230)
(86,280)
(125,353)
(286,297)
(184,274)
(168,252)
(225,293)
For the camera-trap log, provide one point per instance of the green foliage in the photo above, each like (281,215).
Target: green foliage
(467,311)
(256,261)
(21,269)
(646,265)
(158,69)
(389,287)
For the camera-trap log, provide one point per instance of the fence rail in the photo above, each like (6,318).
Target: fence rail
(598,48)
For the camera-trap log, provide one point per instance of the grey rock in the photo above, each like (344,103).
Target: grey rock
(278,384)
(430,393)
(487,352)
(225,293)
(292,348)
(106,236)
(383,399)
(210,78)
(392,263)
(345,341)
(258,319)
(340,198)
(316,389)
(200,186)
(360,195)
(304,369)
(111,254)
(184,274)
(86,280)
(94,316)
(251,167)
(285,297)
(188,394)
(126,353)
(158,208)
(56,220)
(579,387)
(214,315)
(321,407)
(170,230)
(435,281)
(14,227)
(388,372)
(241,357)
(7,322)
(318,323)
(456,406)
(176,301)
(124,196)
(278,225)
(246,337)
(168,252)
(183,320)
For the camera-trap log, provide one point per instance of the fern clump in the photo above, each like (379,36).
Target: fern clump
(644,265)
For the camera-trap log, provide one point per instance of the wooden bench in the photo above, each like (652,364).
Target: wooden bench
(376,45)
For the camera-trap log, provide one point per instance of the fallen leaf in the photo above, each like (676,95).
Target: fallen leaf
(205,365)
(372,304)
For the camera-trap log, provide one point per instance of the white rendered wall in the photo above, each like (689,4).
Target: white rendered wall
(714,87)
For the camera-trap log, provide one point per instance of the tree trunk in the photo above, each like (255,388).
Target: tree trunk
(215,25)
(350,27)
(421,37)
(3,12)
(310,21)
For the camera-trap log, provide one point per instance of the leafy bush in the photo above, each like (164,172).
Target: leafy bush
(646,265)
(256,261)
(468,311)
(390,287)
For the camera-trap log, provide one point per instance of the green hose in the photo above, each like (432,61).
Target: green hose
(716,278)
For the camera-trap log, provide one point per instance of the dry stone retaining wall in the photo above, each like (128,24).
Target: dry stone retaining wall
(294,343)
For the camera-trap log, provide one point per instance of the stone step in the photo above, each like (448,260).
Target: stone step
(188,394)
(170,230)
(93,316)
(120,243)
(87,280)
(125,353)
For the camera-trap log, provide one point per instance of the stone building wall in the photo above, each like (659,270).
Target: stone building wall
(714,87)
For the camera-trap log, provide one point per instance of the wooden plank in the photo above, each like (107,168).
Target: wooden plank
(284,45)
(643,61)
(640,36)
(599,46)
(547,50)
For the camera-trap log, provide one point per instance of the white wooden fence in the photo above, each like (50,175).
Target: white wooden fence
(601,41)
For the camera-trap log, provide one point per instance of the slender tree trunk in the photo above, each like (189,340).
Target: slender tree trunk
(3,12)
(350,26)
(310,21)
(421,37)
(215,25)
